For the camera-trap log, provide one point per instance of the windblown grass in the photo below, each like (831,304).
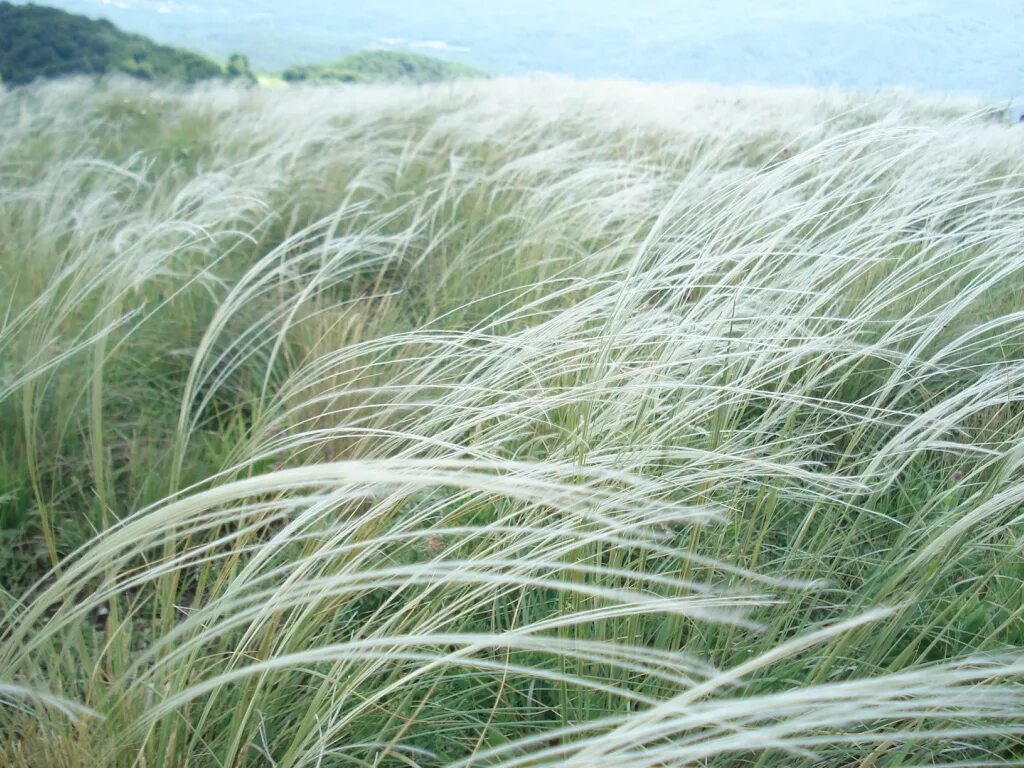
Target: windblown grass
(515,423)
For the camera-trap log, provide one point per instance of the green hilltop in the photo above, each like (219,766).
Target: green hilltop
(40,42)
(380,67)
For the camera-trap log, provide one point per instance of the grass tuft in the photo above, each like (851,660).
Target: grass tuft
(509,423)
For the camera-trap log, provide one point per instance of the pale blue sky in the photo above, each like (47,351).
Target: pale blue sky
(941,45)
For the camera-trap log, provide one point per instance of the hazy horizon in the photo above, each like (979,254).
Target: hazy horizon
(941,46)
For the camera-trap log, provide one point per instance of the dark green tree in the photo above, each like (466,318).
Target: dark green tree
(238,68)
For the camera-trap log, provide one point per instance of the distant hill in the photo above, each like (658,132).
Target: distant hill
(381,67)
(939,45)
(39,42)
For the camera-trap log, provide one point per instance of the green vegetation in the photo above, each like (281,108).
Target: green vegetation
(381,67)
(238,68)
(39,42)
(494,425)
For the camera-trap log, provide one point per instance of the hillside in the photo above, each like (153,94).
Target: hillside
(381,67)
(509,424)
(40,42)
(939,45)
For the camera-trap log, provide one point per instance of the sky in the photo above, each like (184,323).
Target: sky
(963,46)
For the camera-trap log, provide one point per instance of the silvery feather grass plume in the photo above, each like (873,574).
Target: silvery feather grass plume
(510,423)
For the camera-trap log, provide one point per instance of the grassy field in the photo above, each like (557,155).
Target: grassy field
(509,423)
